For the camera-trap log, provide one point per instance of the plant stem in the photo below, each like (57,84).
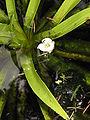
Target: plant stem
(76,46)
(73,56)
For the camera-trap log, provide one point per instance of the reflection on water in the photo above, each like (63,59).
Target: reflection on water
(8,70)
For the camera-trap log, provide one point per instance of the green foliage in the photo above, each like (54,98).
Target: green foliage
(74,56)
(87,75)
(74,93)
(74,45)
(44,110)
(3,17)
(2,102)
(13,34)
(18,37)
(5,36)
(66,26)
(11,8)
(64,9)
(39,87)
(31,12)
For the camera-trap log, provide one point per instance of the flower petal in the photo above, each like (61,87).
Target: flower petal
(47,40)
(47,45)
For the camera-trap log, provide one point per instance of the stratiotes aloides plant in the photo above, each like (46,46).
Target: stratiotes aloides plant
(12,35)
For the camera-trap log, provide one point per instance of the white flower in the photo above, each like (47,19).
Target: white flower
(47,45)
(58,82)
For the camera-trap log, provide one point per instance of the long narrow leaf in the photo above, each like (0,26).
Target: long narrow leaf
(64,9)
(74,56)
(2,101)
(3,17)
(10,4)
(31,12)
(45,110)
(66,26)
(39,87)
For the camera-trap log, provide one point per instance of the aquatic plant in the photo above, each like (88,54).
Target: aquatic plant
(15,36)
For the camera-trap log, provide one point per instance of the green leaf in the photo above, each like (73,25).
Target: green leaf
(19,38)
(64,9)
(5,35)
(45,110)
(2,101)
(4,27)
(74,93)
(31,12)
(3,17)
(74,45)
(74,56)
(24,2)
(87,77)
(13,35)
(39,87)
(10,5)
(66,26)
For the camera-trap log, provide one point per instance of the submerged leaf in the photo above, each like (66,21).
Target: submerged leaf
(74,56)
